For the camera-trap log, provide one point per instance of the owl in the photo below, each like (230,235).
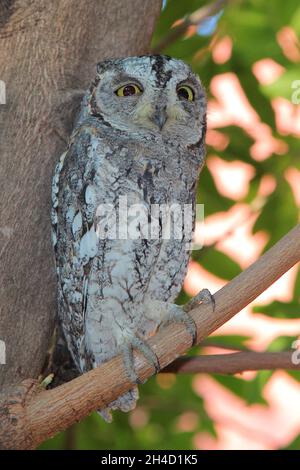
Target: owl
(139,139)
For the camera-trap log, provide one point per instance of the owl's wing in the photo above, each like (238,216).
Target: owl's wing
(74,236)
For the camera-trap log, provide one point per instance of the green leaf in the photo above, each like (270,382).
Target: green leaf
(295,20)
(282,343)
(228,341)
(183,298)
(279,214)
(251,390)
(185,49)
(174,10)
(239,144)
(208,195)
(278,309)
(294,445)
(297,287)
(295,374)
(217,263)
(282,87)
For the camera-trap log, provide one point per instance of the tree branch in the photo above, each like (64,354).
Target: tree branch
(35,416)
(233,363)
(194,19)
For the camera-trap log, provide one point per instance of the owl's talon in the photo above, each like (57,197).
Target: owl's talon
(178,315)
(204,296)
(142,346)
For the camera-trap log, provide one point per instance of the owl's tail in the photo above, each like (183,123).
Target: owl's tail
(126,402)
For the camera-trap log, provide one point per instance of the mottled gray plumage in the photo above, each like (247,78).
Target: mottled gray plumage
(149,147)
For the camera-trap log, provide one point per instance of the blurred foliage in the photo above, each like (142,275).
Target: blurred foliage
(253,27)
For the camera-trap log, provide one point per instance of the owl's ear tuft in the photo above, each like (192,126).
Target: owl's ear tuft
(101,67)
(104,65)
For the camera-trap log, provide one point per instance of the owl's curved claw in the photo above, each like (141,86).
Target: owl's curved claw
(177,314)
(134,342)
(180,314)
(204,296)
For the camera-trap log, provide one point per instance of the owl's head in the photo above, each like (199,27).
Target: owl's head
(150,94)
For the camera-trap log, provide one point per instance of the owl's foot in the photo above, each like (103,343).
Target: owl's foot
(204,296)
(134,342)
(177,314)
(126,402)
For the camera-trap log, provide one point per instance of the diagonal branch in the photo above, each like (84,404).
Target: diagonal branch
(29,417)
(194,19)
(234,363)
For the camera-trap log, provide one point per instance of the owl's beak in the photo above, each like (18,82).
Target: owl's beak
(160,116)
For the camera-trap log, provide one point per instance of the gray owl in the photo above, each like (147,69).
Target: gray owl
(139,137)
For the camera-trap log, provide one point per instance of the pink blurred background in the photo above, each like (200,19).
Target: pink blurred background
(242,426)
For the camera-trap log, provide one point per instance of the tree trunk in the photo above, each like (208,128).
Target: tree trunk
(48,52)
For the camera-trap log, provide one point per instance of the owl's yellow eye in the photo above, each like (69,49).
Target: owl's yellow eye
(186,92)
(128,90)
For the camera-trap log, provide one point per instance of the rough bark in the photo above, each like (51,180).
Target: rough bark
(48,51)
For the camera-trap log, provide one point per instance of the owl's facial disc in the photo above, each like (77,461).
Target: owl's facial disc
(153,94)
